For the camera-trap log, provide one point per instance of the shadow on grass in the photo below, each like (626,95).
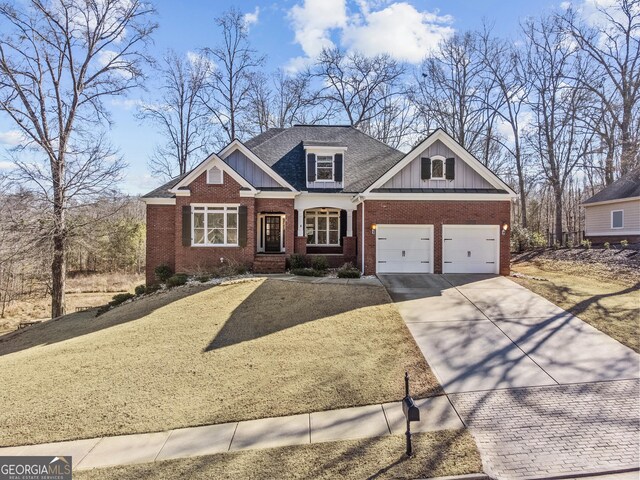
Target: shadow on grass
(275,306)
(83,323)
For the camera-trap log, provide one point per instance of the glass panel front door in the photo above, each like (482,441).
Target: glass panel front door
(271,234)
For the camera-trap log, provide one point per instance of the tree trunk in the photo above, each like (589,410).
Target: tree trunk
(59,237)
(521,185)
(629,149)
(557,191)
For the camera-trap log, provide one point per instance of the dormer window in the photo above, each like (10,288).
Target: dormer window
(324,168)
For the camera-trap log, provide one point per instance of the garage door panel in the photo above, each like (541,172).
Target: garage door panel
(470,249)
(404,249)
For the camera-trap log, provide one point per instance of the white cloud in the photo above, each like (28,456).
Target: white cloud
(126,103)
(6,165)
(12,138)
(399,30)
(592,10)
(374,27)
(313,21)
(251,18)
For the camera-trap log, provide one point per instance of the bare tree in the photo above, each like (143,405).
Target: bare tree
(179,114)
(613,45)
(503,64)
(226,95)
(557,102)
(357,86)
(58,61)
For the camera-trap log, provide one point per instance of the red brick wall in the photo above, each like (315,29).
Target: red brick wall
(301,245)
(349,249)
(194,259)
(160,239)
(436,213)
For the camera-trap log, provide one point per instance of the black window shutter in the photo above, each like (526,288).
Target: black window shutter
(242,225)
(425,170)
(450,169)
(343,225)
(337,167)
(311,167)
(186,225)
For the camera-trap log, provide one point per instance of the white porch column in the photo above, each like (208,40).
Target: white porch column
(300,223)
(349,223)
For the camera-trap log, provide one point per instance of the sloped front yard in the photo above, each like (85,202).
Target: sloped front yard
(200,355)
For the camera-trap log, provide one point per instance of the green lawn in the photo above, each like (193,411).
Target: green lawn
(200,355)
(437,454)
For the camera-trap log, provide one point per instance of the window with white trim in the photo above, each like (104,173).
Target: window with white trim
(322,227)
(214,225)
(437,169)
(324,168)
(617,219)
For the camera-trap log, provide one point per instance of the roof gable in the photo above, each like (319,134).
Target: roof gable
(476,176)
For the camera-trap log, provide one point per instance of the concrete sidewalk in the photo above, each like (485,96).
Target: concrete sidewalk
(344,424)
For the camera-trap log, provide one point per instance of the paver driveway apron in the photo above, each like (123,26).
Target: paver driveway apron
(502,352)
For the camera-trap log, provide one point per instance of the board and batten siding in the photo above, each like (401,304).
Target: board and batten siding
(409,176)
(250,171)
(598,218)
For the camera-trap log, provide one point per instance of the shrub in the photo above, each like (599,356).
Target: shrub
(176,280)
(607,245)
(203,278)
(320,263)
(163,272)
(523,239)
(348,271)
(556,245)
(538,240)
(120,298)
(624,243)
(154,287)
(297,261)
(141,290)
(307,272)
(586,243)
(569,243)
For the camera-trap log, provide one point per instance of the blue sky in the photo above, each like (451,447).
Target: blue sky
(289,32)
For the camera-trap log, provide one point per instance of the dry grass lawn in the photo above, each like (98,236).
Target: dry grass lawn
(609,303)
(199,355)
(437,454)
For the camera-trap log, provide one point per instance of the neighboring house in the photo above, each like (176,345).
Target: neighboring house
(613,214)
(337,192)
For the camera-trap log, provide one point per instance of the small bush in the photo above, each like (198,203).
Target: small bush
(569,243)
(307,272)
(163,272)
(297,261)
(607,245)
(524,239)
(538,240)
(176,280)
(141,290)
(586,243)
(120,298)
(624,243)
(348,271)
(556,245)
(154,287)
(320,263)
(203,278)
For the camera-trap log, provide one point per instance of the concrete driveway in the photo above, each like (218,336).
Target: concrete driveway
(544,394)
(485,332)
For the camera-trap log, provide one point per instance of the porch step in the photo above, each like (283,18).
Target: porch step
(269,263)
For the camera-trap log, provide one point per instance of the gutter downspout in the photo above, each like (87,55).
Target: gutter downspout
(363,234)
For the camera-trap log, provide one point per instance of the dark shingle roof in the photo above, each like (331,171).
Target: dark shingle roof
(365,161)
(366,158)
(625,187)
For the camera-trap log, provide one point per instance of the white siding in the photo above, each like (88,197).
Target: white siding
(409,176)
(598,218)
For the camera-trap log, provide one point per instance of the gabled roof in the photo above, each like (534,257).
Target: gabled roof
(461,152)
(283,151)
(626,187)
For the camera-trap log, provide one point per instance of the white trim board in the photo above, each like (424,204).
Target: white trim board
(617,200)
(456,148)
(159,201)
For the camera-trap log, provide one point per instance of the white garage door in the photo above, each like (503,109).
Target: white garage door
(404,248)
(470,248)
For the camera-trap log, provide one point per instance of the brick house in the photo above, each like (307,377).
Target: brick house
(333,191)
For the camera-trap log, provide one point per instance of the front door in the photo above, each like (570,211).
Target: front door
(271,233)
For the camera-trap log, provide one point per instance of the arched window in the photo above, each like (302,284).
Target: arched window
(437,169)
